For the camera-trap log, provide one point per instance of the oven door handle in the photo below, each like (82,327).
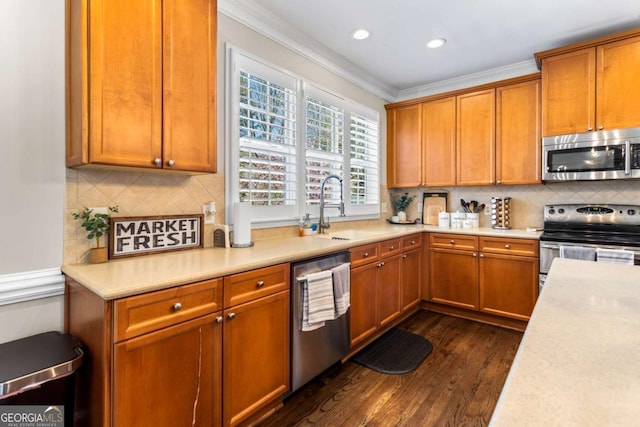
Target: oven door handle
(547,245)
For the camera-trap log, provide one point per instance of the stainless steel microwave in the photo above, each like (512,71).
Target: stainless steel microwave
(612,154)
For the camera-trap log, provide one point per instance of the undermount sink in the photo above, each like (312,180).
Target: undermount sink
(350,234)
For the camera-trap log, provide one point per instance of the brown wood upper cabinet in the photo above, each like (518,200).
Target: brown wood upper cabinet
(485,135)
(141,84)
(592,85)
(404,147)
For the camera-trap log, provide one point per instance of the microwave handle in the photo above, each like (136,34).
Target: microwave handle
(627,157)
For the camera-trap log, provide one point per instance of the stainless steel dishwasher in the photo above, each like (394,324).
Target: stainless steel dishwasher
(314,351)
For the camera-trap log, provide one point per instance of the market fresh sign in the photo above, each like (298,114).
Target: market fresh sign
(143,235)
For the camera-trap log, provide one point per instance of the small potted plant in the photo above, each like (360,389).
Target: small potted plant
(96,225)
(400,204)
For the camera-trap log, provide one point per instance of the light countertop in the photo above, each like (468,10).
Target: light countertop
(131,276)
(579,361)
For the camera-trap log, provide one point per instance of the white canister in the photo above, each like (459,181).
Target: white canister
(457,218)
(443,219)
(474,219)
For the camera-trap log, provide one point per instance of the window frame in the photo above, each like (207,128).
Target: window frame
(270,216)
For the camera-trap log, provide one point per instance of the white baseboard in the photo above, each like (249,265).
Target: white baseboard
(31,285)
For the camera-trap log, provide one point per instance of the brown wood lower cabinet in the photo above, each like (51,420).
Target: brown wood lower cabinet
(181,356)
(493,275)
(385,283)
(170,377)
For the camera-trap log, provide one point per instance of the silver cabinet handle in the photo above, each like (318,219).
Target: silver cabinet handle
(600,127)
(177,306)
(231,315)
(481,255)
(391,247)
(453,242)
(381,264)
(366,254)
(589,128)
(171,163)
(260,284)
(157,161)
(404,256)
(474,254)
(507,246)
(413,242)
(219,319)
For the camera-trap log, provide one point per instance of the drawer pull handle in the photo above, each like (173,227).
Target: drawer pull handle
(260,283)
(474,254)
(391,247)
(507,247)
(177,306)
(219,319)
(404,256)
(413,242)
(481,255)
(231,315)
(453,242)
(366,254)
(381,264)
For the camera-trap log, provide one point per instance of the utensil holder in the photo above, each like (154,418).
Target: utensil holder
(500,212)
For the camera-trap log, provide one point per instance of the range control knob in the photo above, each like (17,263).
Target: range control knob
(552,211)
(631,212)
(560,211)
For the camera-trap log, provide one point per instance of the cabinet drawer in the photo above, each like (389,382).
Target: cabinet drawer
(453,241)
(498,245)
(144,313)
(243,287)
(411,242)
(390,247)
(365,254)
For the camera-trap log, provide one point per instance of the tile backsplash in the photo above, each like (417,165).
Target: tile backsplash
(528,201)
(147,194)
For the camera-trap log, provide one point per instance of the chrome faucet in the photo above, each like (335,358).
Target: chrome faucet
(322,225)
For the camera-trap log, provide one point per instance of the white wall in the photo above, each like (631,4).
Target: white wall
(32,132)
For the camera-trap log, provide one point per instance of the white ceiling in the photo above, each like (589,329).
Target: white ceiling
(484,37)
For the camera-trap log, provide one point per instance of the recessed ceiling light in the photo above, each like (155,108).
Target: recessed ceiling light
(360,34)
(436,43)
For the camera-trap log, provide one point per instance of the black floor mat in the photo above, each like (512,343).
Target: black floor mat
(396,352)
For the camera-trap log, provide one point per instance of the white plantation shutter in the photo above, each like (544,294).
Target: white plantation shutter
(364,161)
(324,145)
(265,153)
(283,142)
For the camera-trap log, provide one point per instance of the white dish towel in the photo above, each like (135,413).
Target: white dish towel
(317,300)
(578,252)
(618,256)
(342,288)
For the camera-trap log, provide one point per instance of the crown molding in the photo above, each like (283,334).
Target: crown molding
(470,80)
(261,20)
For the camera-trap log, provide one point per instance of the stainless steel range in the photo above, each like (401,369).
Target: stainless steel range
(577,226)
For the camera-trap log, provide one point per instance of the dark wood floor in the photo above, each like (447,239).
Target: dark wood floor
(457,385)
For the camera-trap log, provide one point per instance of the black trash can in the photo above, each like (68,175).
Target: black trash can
(37,379)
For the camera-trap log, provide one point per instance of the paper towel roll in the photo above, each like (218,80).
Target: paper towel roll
(241,223)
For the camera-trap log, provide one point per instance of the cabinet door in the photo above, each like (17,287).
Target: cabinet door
(617,84)
(475,138)
(518,138)
(125,82)
(170,377)
(439,142)
(363,302)
(454,278)
(568,93)
(508,285)
(410,278)
(256,356)
(189,48)
(388,290)
(404,153)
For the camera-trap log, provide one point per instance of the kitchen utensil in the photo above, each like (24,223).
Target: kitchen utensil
(480,208)
(472,206)
(464,205)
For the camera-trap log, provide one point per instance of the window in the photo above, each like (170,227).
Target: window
(286,136)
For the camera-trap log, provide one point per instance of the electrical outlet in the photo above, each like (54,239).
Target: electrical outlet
(209,212)
(101,210)
(383,207)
